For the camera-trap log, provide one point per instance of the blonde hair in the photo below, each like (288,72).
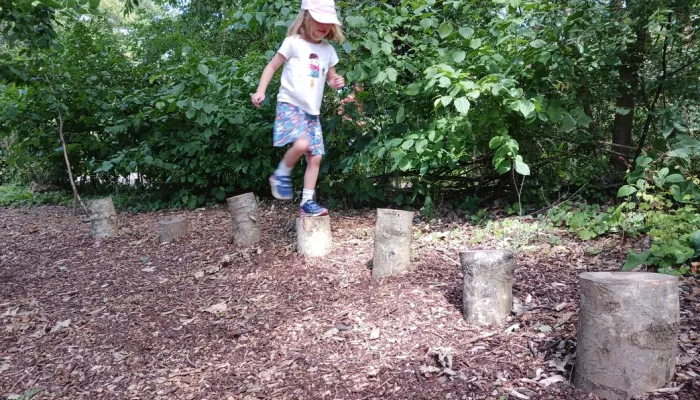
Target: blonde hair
(301,25)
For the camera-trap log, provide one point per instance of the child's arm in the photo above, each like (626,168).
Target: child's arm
(335,81)
(266,77)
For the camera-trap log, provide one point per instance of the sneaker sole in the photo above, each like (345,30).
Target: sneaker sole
(321,214)
(276,194)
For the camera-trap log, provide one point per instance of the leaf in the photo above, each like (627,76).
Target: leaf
(634,259)
(545,328)
(421,145)
(217,309)
(552,380)
(538,43)
(391,74)
(190,113)
(569,122)
(446,100)
(462,105)
(511,329)
(413,89)
(496,142)
(459,56)
(521,167)
(675,178)
(387,48)
(475,43)
(203,69)
(426,23)
(466,32)
(445,29)
(622,110)
(160,105)
(586,234)
(401,115)
(61,325)
(626,190)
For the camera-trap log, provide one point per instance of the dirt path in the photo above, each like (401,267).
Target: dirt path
(127,318)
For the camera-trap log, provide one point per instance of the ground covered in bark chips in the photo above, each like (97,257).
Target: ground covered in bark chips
(128,318)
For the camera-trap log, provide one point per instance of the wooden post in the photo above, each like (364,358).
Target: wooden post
(103,218)
(314,237)
(392,243)
(627,333)
(245,230)
(487,297)
(172,228)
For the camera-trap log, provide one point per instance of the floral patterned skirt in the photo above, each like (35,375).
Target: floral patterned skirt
(292,123)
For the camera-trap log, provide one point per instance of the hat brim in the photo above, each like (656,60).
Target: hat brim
(325,18)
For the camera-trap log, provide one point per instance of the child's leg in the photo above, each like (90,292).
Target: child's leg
(308,205)
(281,180)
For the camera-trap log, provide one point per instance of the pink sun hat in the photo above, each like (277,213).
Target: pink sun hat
(322,11)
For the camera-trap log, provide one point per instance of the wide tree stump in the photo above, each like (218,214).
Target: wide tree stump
(172,228)
(314,237)
(627,333)
(103,218)
(487,296)
(245,230)
(392,243)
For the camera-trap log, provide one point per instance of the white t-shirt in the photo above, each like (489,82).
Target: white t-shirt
(304,72)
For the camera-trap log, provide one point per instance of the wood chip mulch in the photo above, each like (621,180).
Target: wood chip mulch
(129,318)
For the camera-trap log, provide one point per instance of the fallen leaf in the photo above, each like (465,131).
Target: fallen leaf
(216,309)
(149,269)
(552,380)
(511,329)
(564,319)
(374,334)
(561,306)
(330,333)
(428,369)
(199,275)
(518,395)
(545,328)
(4,367)
(560,365)
(61,325)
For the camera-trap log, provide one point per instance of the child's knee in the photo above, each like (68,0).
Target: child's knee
(302,142)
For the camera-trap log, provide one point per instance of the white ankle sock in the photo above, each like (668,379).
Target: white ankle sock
(283,169)
(306,195)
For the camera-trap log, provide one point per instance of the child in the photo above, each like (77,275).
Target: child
(307,59)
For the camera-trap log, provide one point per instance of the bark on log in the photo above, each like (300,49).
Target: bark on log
(314,237)
(627,333)
(245,230)
(392,243)
(103,218)
(172,228)
(487,296)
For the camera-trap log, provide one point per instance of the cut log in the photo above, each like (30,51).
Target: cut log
(245,230)
(392,243)
(627,333)
(172,228)
(487,297)
(103,218)
(314,237)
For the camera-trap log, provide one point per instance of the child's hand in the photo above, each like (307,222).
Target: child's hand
(257,99)
(337,82)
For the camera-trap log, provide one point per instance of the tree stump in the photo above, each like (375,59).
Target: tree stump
(172,228)
(314,237)
(487,296)
(627,333)
(392,243)
(103,218)
(245,230)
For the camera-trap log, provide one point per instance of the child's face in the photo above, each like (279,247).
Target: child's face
(318,30)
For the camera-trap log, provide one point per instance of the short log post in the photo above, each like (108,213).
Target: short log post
(487,296)
(314,237)
(627,333)
(172,228)
(103,218)
(392,243)
(245,230)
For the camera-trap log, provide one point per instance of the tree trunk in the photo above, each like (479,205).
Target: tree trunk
(627,333)
(314,237)
(487,297)
(392,243)
(245,230)
(632,59)
(103,218)
(172,228)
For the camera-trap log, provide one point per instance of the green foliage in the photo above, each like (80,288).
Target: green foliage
(21,196)
(589,222)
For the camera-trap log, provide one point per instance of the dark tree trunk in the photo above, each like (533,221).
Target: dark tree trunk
(632,59)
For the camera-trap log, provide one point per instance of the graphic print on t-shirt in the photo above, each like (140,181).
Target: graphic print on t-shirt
(314,64)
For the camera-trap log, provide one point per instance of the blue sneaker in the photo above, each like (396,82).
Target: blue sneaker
(311,209)
(281,187)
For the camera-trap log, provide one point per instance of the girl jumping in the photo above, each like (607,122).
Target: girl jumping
(308,62)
